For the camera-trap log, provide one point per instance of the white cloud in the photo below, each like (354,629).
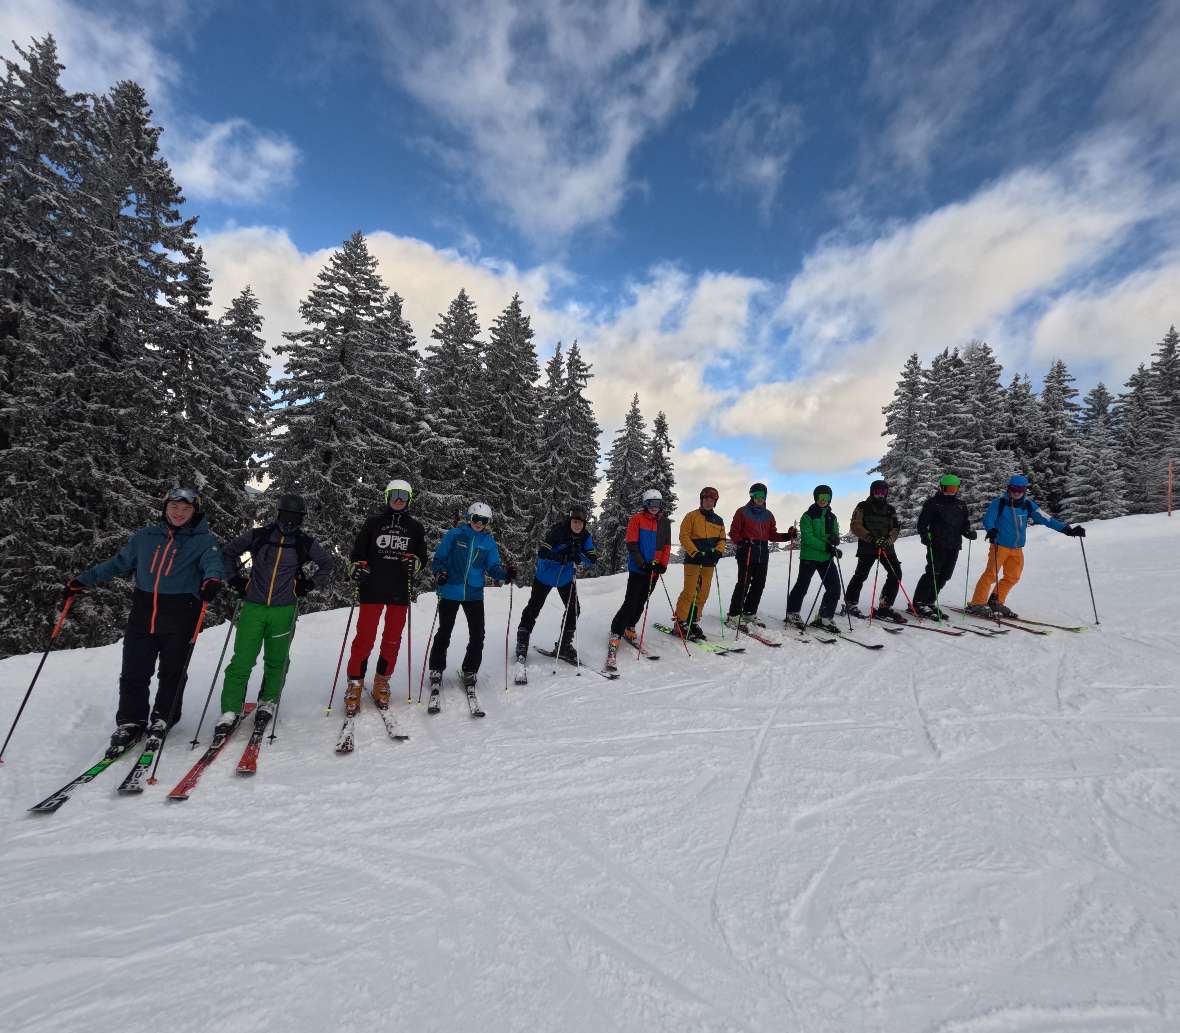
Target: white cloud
(752,148)
(230,161)
(233,161)
(549,97)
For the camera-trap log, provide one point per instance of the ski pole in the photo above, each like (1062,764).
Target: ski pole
(823,581)
(790,568)
(840,575)
(651,584)
(675,622)
(507,629)
(426,653)
(934,581)
(340,658)
(1082,543)
(220,660)
(286,667)
(720,608)
(176,693)
(967,580)
(900,583)
(37,674)
(876,574)
(737,628)
(409,630)
(565,614)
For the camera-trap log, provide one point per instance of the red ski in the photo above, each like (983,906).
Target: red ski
(186,785)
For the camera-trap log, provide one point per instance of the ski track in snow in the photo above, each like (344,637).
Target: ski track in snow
(950,835)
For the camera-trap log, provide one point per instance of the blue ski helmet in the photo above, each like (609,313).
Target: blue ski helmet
(1018,481)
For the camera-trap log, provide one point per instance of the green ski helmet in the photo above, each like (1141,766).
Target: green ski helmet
(949,484)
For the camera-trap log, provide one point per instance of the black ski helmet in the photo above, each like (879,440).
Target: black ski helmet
(292,510)
(579,511)
(883,485)
(821,489)
(758,486)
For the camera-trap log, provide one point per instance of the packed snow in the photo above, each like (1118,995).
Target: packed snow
(963,835)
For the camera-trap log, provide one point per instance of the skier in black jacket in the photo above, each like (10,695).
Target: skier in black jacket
(875,524)
(389,550)
(942,525)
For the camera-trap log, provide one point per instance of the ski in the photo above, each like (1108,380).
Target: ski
(754,631)
(52,802)
(186,785)
(1002,621)
(344,741)
(389,719)
(806,633)
(434,704)
(133,783)
(845,637)
(473,706)
(248,765)
(552,653)
(521,675)
(918,626)
(1075,628)
(641,650)
(708,647)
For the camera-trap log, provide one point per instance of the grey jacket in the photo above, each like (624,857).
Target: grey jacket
(275,563)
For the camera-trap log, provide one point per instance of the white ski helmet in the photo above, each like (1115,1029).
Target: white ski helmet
(399,486)
(651,495)
(480,509)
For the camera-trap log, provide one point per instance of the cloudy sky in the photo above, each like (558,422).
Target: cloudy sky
(749,211)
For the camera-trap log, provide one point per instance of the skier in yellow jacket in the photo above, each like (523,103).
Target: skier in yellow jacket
(702,536)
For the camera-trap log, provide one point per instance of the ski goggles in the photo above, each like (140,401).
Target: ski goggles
(179,494)
(952,489)
(825,499)
(473,518)
(653,505)
(398,495)
(1017,492)
(758,496)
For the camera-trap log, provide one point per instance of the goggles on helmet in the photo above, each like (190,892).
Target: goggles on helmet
(758,496)
(1017,490)
(823,498)
(398,494)
(953,489)
(475,518)
(179,494)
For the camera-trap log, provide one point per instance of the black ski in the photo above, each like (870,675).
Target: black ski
(133,783)
(52,802)
(552,654)
(345,740)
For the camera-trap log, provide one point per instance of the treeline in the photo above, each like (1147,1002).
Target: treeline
(1104,457)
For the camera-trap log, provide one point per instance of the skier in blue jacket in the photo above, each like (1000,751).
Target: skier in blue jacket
(464,557)
(1006,523)
(177,567)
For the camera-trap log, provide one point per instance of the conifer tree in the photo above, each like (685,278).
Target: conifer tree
(1136,419)
(908,464)
(626,474)
(1162,439)
(1023,433)
(585,432)
(661,474)
(1059,418)
(245,399)
(979,434)
(1096,488)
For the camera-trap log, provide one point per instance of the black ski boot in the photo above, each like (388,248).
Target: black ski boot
(1002,611)
(825,624)
(979,610)
(888,613)
(696,633)
(566,650)
(522,644)
(126,735)
(793,620)
(851,609)
(467,678)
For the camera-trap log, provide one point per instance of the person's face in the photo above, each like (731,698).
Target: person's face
(707,502)
(179,512)
(576,524)
(823,500)
(758,498)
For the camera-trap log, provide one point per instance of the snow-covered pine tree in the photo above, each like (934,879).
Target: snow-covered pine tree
(1023,431)
(1163,434)
(511,439)
(453,379)
(585,433)
(1135,417)
(907,463)
(1059,417)
(626,475)
(661,473)
(331,431)
(987,465)
(1096,488)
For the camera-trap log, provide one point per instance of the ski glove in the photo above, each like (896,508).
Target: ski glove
(658,569)
(882,543)
(510,570)
(792,534)
(72,588)
(303,585)
(834,541)
(359,570)
(1077,531)
(210,589)
(238,583)
(837,554)
(972,535)
(991,534)
(440,578)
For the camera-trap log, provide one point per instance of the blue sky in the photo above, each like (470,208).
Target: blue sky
(749,212)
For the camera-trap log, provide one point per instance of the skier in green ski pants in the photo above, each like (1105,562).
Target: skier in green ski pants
(267,615)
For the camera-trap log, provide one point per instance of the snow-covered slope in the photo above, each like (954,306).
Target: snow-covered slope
(949,835)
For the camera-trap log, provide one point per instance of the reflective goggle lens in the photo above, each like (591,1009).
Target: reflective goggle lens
(759,496)
(950,489)
(823,498)
(654,504)
(188,495)
(1017,491)
(475,519)
(397,494)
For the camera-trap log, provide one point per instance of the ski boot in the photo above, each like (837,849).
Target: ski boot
(352,695)
(567,652)
(631,635)
(680,628)
(381,691)
(225,724)
(612,653)
(888,613)
(753,618)
(926,612)
(696,633)
(979,610)
(824,624)
(467,679)
(158,729)
(264,713)
(1000,610)
(852,610)
(735,621)
(125,736)
(793,620)
(435,684)
(522,644)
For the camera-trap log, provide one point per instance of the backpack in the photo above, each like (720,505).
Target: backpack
(303,542)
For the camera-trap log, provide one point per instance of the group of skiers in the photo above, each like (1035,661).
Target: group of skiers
(179,569)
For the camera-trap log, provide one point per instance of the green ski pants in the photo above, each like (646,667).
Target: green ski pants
(259,627)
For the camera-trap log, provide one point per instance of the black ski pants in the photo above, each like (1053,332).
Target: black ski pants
(940,567)
(890,566)
(537,597)
(831,582)
(751,580)
(448,610)
(639,586)
(141,650)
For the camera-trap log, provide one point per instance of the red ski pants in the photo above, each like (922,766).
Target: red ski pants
(366,634)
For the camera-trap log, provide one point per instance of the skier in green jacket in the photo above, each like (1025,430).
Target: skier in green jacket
(819,549)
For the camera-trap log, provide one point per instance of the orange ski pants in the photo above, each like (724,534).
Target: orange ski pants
(1005,564)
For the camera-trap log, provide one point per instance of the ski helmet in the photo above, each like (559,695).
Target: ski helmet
(949,484)
(292,510)
(651,498)
(480,511)
(758,488)
(579,511)
(879,487)
(710,493)
(178,493)
(1018,481)
(398,489)
(822,489)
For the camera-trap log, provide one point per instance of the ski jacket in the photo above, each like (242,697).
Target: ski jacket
(649,540)
(815,527)
(702,529)
(1011,520)
(393,544)
(944,522)
(467,555)
(752,528)
(871,520)
(169,564)
(276,561)
(561,551)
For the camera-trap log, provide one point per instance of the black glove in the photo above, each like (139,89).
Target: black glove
(837,553)
(1077,531)
(834,541)
(303,585)
(510,571)
(441,578)
(72,588)
(972,535)
(238,583)
(882,543)
(792,533)
(359,570)
(210,589)
(991,534)
(658,568)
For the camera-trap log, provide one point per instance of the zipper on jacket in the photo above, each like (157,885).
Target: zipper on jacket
(274,573)
(156,585)
(467,572)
